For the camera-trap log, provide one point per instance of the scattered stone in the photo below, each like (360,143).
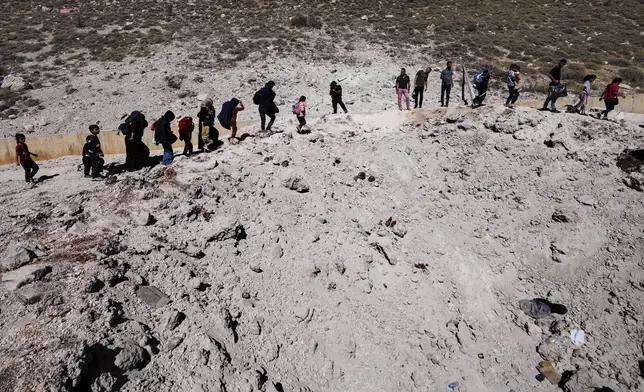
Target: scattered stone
(255,328)
(16,256)
(197,284)
(143,218)
(635,181)
(153,296)
(464,335)
(277,252)
(173,319)
(563,216)
(399,230)
(131,357)
(30,294)
(533,330)
(24,275)
(104,383)
(296,183)
(255,268)
(586,200)
(453,117)
(321,219)
(226,228)
(383,246)
(558,253)
(303,313)
(174,342)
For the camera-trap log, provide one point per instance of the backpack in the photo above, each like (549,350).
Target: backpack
(185,126)
(136,120)
(256,98)
(297,108)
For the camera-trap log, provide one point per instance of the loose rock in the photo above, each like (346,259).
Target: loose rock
(132,357)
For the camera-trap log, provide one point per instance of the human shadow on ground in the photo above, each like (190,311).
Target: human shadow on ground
(44,178)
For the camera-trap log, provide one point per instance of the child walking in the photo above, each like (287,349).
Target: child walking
(23,158)
(299,109)
(92,153)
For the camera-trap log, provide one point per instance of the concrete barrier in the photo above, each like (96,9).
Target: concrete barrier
(56,146)
(630,104)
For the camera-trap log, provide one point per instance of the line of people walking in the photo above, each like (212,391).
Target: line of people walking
(134,125)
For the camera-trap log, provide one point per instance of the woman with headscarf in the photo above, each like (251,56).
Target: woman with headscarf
(228,116)
(207,119)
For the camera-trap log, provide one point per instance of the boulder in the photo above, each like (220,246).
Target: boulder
(16,256)
(132,357)
(296,183)
(143,218)
(15,83)
(225,228)
(15,279)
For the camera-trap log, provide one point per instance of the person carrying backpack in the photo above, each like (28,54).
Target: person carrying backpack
(299,109)
(610,97)
(336,97)
(186,127)
(163,135)
(228,116)
(92,153)
(265,98)
(420,85)
(206,118)
(136,152)
(481,81)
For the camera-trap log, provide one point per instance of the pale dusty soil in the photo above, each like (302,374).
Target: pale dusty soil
(317,292)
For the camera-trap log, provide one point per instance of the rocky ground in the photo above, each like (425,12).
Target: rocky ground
(380,252)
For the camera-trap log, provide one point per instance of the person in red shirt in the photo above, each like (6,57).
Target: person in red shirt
(23,158)
(610,97)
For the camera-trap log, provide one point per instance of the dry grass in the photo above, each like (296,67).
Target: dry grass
(534,34)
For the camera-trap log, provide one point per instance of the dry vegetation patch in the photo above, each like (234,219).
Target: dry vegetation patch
(597,36)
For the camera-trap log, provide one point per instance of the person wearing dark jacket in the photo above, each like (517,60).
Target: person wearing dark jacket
(206,118)
(265,98)
(163,135)
(92,153)
(136,151)
(481,81)
(336,97)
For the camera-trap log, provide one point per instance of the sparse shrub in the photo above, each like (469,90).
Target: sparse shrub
(575,71)
(632,75)
(471,27)
(31,102)
(300,21)
(619,62)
